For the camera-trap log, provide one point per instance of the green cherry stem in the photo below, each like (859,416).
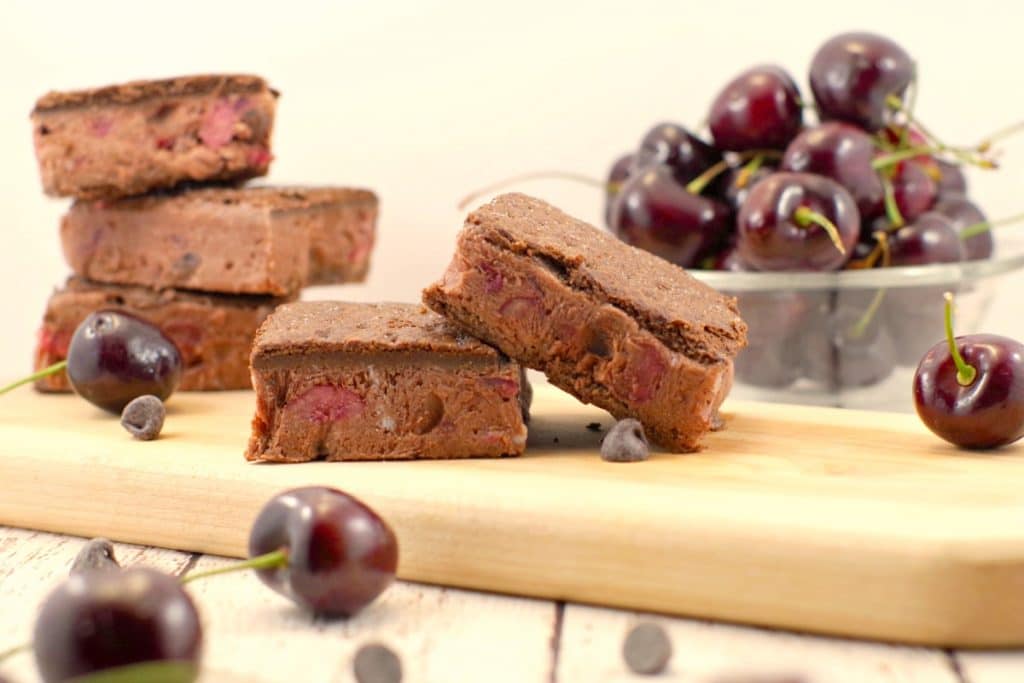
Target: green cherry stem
(743,177)
(700,183)
(535,175)
(861,326)
(1006,132)
(965,373)
(984,226)
(805,217)
(892,209)
(271,560)
(45,372)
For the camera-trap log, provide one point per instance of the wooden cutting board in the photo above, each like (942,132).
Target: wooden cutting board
(814,519)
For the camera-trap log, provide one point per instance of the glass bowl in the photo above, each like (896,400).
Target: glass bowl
(853,338)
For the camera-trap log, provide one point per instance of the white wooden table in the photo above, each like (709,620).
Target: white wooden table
(447,636)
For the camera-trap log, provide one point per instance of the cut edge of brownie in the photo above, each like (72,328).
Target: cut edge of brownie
(710,344)
(133,92)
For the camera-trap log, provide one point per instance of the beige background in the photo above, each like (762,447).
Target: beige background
(424,101)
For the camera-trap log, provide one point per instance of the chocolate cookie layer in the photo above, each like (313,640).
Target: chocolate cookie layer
(610,324)
(135,137)
(214,333)
(341,381)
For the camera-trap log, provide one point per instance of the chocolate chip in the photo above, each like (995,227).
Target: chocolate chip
(376,663)
(647,649)
(186,264)
(625,442)
(144,417)
(43,130)
(594,426)
(97,554)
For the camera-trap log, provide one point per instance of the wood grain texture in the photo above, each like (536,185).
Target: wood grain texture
(813,519)
(591,650)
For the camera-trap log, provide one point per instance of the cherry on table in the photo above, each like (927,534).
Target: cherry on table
(759,109)
(969,390)
(655,213)
(338,554)
(853,76)
(797,221)
(99,620)
(845,154)
(676,147)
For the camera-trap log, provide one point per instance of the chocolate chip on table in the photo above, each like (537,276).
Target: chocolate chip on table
(97,553)
(647,649)
(377,663)
(625,442)
(144,417)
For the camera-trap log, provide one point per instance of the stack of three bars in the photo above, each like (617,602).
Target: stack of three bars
(162,228)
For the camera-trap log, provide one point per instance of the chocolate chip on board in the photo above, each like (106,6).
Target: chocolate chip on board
(143,417)
(647,649)
(377,663)
(625,442)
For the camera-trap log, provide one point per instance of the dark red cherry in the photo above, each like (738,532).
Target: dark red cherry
(848,346)
(728,259)
(950,179)
(759,109)
(341,555)
(98,620)
(781,225)
(929,239)
(970,390)
(656,213)
(617,175)
(913,189)
(853,74)
(674,146)
(115,357)
(962,213)
(843,153)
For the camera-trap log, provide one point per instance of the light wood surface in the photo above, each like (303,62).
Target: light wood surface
(814,519)
(252,635)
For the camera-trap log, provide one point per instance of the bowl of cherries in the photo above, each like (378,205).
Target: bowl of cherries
(837,220)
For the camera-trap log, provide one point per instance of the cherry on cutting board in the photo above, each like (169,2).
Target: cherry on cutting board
(970,390)
(854,75)
(797,221)
(322,549)
(100,620)
(115,357)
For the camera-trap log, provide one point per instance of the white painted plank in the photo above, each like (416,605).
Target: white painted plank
(591,650)
(992,667)
(442,635)
(31,565)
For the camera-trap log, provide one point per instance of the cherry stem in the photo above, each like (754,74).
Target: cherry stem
(964,155)
(535,175)
(861,326)
(45,372)
(271,560)
(965,373)
(743,177)
(698,184)
(892,209)
(806,217)
(984,226)
(1006,132)
(16,650)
